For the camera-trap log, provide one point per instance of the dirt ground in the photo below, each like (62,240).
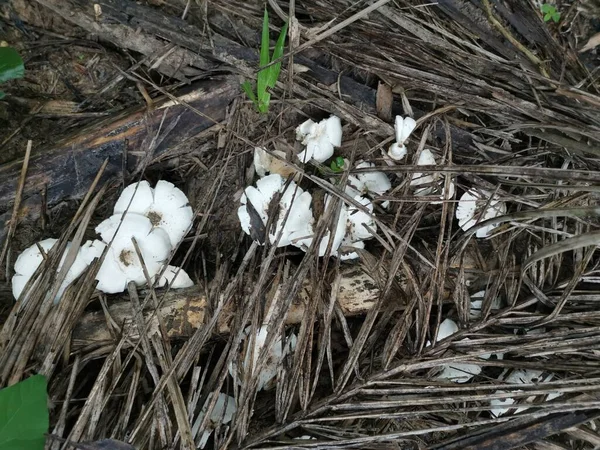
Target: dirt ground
(508,104)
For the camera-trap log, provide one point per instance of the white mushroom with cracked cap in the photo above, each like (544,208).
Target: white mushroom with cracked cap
(31,258)
(476,206)
(222,413)
(166,206)
(319,138)
(121,264)
(294,218)
(404,126)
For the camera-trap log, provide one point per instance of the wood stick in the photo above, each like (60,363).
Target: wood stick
(185,310)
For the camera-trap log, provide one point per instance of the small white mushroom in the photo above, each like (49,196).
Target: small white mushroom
(275,356)
(222,413)
(404,126)
(502,406)
(456,372)
(121,264)
(472,209)
(477,304)
(166,206)
(264,163)
(31,258)
(175,277)
(434,182)
(319,138)
(426,158)
(294,209)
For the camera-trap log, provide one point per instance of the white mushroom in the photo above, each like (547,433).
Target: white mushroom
(31,258)
(298,223)
(265,163)
(166,206)
(276,354)
(456,372)
(434,182)
(319,138)
(502,406)
(404,126)
(175,277)
(472,209)
(426,158)
(477,304)
(372,182)
(222,413)
(121,264)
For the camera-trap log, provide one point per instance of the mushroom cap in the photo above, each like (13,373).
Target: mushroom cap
(520,376)
(166,206)
(358,220)
(459,372)
(121,263)
(319,138)
(223,412)
(265,163)
(176,277)
(31,258)
(426,158)
(477,305)
(294,219)
(469,204)
(276,354)
(365,182)
(404,126)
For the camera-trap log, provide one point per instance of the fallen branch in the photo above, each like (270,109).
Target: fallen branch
(184,311)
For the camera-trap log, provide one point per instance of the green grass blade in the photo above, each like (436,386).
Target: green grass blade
(275,69)
(262,77)
(247,87)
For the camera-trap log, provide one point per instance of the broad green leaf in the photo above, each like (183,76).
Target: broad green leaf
(275,69)
(24,415)
(11,64)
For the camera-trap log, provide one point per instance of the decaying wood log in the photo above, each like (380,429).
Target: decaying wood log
(67,170)
(184,311)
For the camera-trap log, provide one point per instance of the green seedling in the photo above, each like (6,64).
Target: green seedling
(337,164)
(11,66)
(550,13)
(267,77)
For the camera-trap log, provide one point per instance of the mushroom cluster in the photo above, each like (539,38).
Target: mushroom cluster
(281,212)
(137,241)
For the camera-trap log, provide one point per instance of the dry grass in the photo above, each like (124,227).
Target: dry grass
(495,121)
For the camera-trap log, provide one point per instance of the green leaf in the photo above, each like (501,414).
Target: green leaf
(261,81)
(247,87)
(275,69)
(24,415)
(11,64)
